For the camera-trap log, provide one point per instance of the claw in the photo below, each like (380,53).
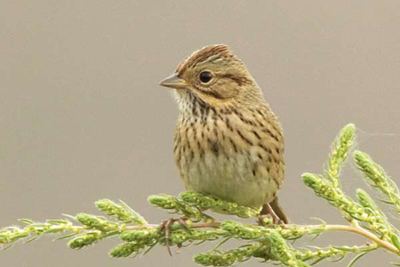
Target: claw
(184,224)
(166,226)
(162,226)
(167,232)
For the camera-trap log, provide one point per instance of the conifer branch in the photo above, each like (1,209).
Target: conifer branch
(267,242)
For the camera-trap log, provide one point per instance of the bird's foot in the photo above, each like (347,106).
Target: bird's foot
(166,227)
(270,212)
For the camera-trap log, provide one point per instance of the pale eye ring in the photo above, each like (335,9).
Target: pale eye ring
(205,77)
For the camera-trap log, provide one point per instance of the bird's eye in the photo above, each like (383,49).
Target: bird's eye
(205,76)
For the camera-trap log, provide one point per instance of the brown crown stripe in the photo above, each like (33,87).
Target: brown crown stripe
(218,51)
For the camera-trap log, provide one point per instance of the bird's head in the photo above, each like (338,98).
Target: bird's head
(216,76)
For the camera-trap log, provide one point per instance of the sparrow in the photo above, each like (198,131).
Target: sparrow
(228,143)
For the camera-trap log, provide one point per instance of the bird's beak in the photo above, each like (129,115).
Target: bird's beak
(174,81)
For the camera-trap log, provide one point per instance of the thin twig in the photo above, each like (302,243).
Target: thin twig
(333,227)
(364,233)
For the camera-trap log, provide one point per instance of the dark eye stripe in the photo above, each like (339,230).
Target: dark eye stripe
(240,80)
(210,93)
(213,94)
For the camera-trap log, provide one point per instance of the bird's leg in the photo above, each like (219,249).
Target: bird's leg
(166,227)
(271,212)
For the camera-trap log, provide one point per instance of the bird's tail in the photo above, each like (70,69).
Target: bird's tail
(277,209)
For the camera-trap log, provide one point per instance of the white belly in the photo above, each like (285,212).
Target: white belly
(230,178)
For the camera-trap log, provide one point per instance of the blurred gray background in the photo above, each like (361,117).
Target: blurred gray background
(83,117)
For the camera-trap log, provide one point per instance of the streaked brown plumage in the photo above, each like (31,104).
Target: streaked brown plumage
(228,142)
